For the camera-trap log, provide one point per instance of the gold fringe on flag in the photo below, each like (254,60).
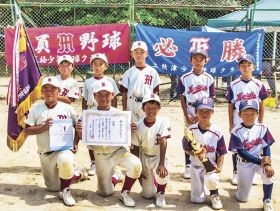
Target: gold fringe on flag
(15,145)
(25,105)
(22,40)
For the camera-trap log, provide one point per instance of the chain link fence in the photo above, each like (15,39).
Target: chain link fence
(177,14)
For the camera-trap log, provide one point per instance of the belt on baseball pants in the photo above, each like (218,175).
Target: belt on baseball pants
(191,104)
(47,153)
(241,160)
(136,99)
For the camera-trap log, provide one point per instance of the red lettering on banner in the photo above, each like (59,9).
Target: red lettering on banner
(165,48)
(232,50)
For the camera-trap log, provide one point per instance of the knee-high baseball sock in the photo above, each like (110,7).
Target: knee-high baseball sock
(91,155)
(187,159)
(267,190)
(234,161)
(212,192)
(128,183)
(65,183)
(161,188)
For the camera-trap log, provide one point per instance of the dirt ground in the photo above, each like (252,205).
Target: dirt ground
(22,185)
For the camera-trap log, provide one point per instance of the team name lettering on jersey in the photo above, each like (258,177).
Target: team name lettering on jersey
(60,116)
(250,144)
(210,148)
(148,79)
(196,89)
(64,92)
(247,96)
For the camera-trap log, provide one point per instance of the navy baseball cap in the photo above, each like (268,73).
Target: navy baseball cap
(203,103)
(245,104)
(199,51)
(247,57)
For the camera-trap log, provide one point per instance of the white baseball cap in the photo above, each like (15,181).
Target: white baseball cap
(52,81)
(103,85)
(150,97)
(67,58)
(99,56)
(139,44)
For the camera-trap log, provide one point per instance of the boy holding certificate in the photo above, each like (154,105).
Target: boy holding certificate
(56,157)
(108,157)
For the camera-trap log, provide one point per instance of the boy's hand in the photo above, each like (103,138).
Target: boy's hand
(190,120)
(47,125)
(162,171)
(230,128)
(265,160)
(217,169)
(133,127)
(202,154)
(268,170)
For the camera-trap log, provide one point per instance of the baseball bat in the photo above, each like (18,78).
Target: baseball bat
(197,148)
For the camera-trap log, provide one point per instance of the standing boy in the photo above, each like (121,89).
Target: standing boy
(212,140)
(192,86)
(108,157)
(57,166)
(150,143)
(246,87)
(138,81)
(99,64)
(69,88)
(252,141)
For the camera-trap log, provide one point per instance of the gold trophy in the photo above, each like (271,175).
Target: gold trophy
(198,149)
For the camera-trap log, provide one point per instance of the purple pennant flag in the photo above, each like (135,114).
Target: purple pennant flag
(28,89)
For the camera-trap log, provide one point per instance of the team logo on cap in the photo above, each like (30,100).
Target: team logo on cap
(153,96)
(49,79)
(205,100)
(249,102)
(103,84)
(139,43)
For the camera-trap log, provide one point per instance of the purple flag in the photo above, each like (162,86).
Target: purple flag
(28,87)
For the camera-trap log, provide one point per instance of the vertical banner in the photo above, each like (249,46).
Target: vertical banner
(24,87)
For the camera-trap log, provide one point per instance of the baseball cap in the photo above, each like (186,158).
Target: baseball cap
(199,51)
(103,85)
(203,103)
(139,44)
(67,58)
(247,57)
(99,56)
(51,80)
(245,104)
(150,97)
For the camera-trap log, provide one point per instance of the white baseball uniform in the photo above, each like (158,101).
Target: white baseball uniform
(147,138)
(107,157)
(89,86)
(245,90)
(253,140)
(58,164)
(69,87)
(137,83)
(195,87)
(214,143)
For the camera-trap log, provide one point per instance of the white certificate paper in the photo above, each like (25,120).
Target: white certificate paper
(106,128)
(61,134)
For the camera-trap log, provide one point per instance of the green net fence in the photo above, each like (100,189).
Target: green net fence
(177,14)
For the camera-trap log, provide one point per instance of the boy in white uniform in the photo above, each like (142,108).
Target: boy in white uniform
(139,80)
(150,143)
(192,86)
(57,166)
(246,87)
(69,88)
(99,64)
(211,138)
(252,141)
(108,157)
